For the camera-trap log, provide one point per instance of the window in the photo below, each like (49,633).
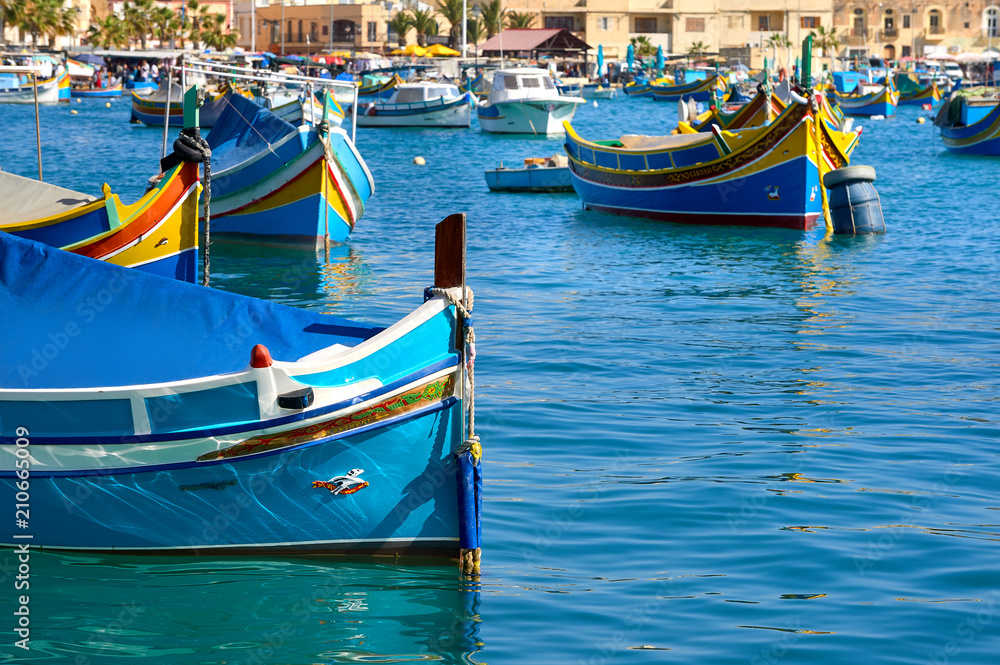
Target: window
(694,25)
(906,50)
(859,25)
(889,22)
(991,22)
(559,23)
(300,32)
(326,30)
(372,31)
(605,23)
(645,24)
(764,22)
(906,20)
(313,31)
(289,31)
(810,22)
(934,19)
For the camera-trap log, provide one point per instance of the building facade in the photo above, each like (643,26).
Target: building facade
(313,26)
(917,28)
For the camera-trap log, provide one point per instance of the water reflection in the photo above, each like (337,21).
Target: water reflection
(290,275)
(95,608)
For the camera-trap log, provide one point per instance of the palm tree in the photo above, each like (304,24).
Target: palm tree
(520,20)
(826,40)
(401,24)
(138,16)
(697,48)
(778,41)
(642,46)
(107,33)
(423,22)
(213,32)
(475,30)
(493,15)
(165,24)
(452,11)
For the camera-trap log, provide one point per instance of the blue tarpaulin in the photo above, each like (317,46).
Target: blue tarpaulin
(72,322)
(243,130)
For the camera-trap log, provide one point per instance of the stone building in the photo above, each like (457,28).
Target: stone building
(917,28)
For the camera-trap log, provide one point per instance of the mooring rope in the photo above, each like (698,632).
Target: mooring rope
(471,442)
(194,142)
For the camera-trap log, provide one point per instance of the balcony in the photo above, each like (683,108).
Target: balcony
(890,34)
(857,37)
(934,33)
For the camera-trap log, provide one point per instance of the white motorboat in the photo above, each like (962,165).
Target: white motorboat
(539,174)
(525,101)
(421,104)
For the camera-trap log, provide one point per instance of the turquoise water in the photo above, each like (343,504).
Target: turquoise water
(714,445)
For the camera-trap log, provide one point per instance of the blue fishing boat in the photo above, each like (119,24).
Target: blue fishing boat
(699,90)
(273,182)
(762,176)
(970,121)
(868,100)
(422,104)
(181,419)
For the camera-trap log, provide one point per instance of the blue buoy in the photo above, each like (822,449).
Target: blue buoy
(855,207)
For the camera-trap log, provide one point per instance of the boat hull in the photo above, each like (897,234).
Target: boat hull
(268,502)
(48,93)
(546,179)
(979,138)
(699,91)
(437,113)
(114,91)
(773,181)
(528,117)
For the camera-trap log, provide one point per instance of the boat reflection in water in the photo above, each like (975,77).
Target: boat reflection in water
(290,275)
(168,609)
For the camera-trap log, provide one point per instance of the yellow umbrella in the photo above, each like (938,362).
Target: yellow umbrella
(397,51)
(441,49)
(414,49)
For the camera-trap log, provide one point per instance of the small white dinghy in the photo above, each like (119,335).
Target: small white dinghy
(539,174)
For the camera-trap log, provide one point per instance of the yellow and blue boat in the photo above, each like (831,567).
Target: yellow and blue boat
(868,100)
(110,91)
(273,182)
(700,90)
(970,121)
(762,176)
(157,234)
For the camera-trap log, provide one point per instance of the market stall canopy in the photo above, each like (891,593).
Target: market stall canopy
(535,42)
(412,49)
(442,50)
(89,59)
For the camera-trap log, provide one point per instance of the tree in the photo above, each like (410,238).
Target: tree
(828,40)
(166,24)
(697,48)
(423,22)
(452,11)
(400,24)
(214,33)
(493,15)
(108,33)
(642,46)
(138,15)
(475,30)
(520,20)
(778,41)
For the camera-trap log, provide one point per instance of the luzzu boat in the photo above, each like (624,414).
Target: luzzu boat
(929,94)
(752,114)
(423,104)
(149,109)
(525,101)
(970,121)
(700,91)
(18,89)
(762,176)
(869,100)
(112,91)
(633,89)
(273,182)
(157,234)
(379,89)
(181,419)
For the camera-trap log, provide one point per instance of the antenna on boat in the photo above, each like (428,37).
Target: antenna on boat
(166,112)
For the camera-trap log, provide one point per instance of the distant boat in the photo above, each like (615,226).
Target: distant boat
(423,104)
(761,176)
(700,90)
(379,89)
(525,101)
(156,234)
(112,91)
(598,91)
(149,109)
(273,182)
(869,100)
(928,94)
(178,419)
(634,89)
(538,175)
(18,89)
(970,122)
